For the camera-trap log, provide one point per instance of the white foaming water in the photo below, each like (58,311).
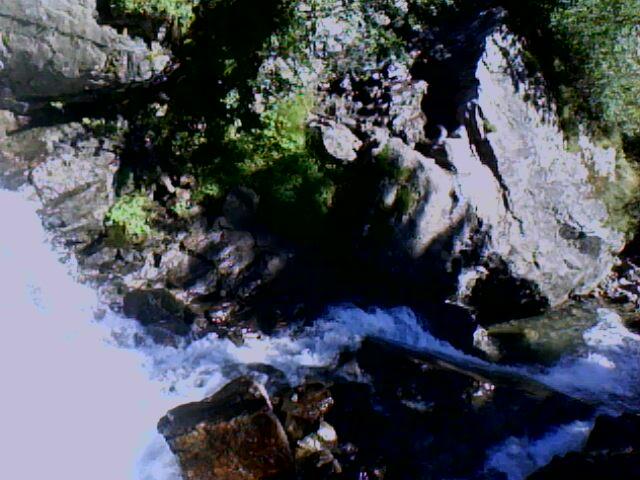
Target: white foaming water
(607,373)
(519,457)
(72,406)
(81,398)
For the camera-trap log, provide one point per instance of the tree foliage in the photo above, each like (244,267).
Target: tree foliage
(590,50)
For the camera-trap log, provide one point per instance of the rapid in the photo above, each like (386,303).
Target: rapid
(83,388)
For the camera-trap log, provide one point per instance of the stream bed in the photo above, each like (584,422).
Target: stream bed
(83,388)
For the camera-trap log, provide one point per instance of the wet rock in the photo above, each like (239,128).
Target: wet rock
(56,47)
(73,175)
(612,451)
(200,241)
(231,251)
(182,270)
(415,415)
(237,252)
(305,407)
(158,308)
(314,456)
(196,432)
(545,338)
(233,435)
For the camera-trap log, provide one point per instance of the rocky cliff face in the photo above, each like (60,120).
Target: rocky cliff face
(551,224)
(454,181)
(505,205)
(57,47)
(478,196)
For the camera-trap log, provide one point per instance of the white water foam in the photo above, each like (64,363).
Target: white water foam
(519,457)
(81,399)
(607,373)
(72,406)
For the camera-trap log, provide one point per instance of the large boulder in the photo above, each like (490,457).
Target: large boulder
(497,201)
(237,433)
(57,47)
(552,226)
(233,435)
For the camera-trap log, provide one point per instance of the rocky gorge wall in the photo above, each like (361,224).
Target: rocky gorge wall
(434,169)
(456,178)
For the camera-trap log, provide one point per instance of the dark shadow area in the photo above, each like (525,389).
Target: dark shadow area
(135,25)
(448,66)
(421,417)
(224,52)
(500,297)
(451,55)
(105,103)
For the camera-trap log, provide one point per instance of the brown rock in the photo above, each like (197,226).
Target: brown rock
(233,435)
(305,407)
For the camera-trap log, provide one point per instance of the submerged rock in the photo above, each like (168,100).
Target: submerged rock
(233,435)
(545,338)
(158,309)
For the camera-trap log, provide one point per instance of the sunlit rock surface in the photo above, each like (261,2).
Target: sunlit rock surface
(513,213)
(233,435)
(57,47)
(550,226)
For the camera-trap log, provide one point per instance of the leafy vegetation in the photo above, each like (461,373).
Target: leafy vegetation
(213,130)
(590,51)
(282,160)
(603,38)
(178,11)
(129,219)
(232,122)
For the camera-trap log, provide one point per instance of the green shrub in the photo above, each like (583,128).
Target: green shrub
(602,38)
(589,51)
(129,219)
(284,162)
(179,11)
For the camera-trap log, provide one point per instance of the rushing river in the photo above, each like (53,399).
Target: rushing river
(81,397)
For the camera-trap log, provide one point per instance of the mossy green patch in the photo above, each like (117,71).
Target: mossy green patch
(129,220)
(620,196)
(283,161)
